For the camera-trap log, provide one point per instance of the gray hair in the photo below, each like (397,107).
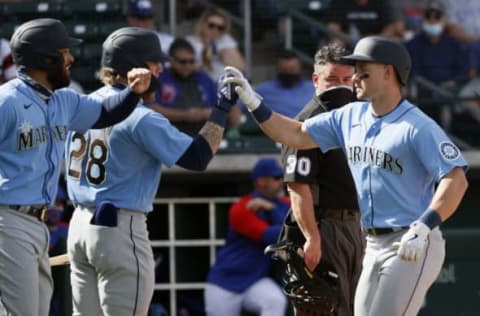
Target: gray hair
(330,53)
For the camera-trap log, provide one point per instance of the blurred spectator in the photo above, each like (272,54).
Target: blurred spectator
(289,91)
(240,276)
(436,55)
(472,88)
(186,95)
(463,19)
(474,59)
(140,14)
(214,47)
(7,67)
(439,58)
(359,18)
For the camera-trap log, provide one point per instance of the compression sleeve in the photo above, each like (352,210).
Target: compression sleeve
(197,156)
(116,108)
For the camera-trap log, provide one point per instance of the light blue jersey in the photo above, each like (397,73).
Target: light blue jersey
(32,139)
(395,160)
(122,164)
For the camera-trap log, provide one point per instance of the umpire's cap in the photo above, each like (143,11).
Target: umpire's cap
(35,43)
(130,47)
(382,50)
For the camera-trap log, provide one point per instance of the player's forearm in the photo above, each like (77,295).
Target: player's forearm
(302,207)
(287,131)
(449,193)
(213,134)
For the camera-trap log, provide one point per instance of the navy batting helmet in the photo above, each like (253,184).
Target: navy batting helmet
(382,50)
(130,47)
(35,43)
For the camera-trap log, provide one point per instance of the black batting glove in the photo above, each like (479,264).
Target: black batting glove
(226,95)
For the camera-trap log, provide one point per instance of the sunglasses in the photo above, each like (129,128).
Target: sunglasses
(219,27)
(184,61)
(433,14)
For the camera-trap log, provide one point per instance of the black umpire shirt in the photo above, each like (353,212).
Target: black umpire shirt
(328,174)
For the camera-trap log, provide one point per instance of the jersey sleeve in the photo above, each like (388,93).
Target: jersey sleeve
(160,138)
(436,151)
(85,111)
(300,165)
(325,130)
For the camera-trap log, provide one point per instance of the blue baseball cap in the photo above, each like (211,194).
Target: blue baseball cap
(140,8)
(267,167)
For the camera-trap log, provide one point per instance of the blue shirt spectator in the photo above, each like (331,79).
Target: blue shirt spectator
(436,55)
(474,58)
(171,88)
(186,95)
(289,92)
(287,101)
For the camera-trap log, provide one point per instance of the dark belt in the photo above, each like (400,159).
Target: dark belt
(383,231)
(37,211)
(343,214)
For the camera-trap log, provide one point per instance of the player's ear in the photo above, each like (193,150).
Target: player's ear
(314,78)
(389,72)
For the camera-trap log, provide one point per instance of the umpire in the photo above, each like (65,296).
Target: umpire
(322,192)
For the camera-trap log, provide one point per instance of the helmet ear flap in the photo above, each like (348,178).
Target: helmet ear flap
(51,60)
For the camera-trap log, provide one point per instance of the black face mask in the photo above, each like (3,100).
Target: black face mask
(336,97)
(288,80)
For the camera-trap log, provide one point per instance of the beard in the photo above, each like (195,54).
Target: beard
(58,77)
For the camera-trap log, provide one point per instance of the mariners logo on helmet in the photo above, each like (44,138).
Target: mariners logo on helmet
(130,47)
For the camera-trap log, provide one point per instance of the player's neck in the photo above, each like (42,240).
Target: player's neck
(385,102)
(39,76)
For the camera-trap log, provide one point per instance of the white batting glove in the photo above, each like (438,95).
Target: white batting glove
(244,90)
(413,242)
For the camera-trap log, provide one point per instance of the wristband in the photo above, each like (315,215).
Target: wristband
(262,113)
(218,116)
(431,218)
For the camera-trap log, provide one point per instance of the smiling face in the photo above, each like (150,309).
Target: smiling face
(370,79)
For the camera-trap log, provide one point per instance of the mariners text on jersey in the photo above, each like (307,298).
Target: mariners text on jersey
(374,157)
(30,137)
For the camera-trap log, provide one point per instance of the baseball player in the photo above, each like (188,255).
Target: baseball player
(396,155)
(324,201)
(36,116)
(112,178)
